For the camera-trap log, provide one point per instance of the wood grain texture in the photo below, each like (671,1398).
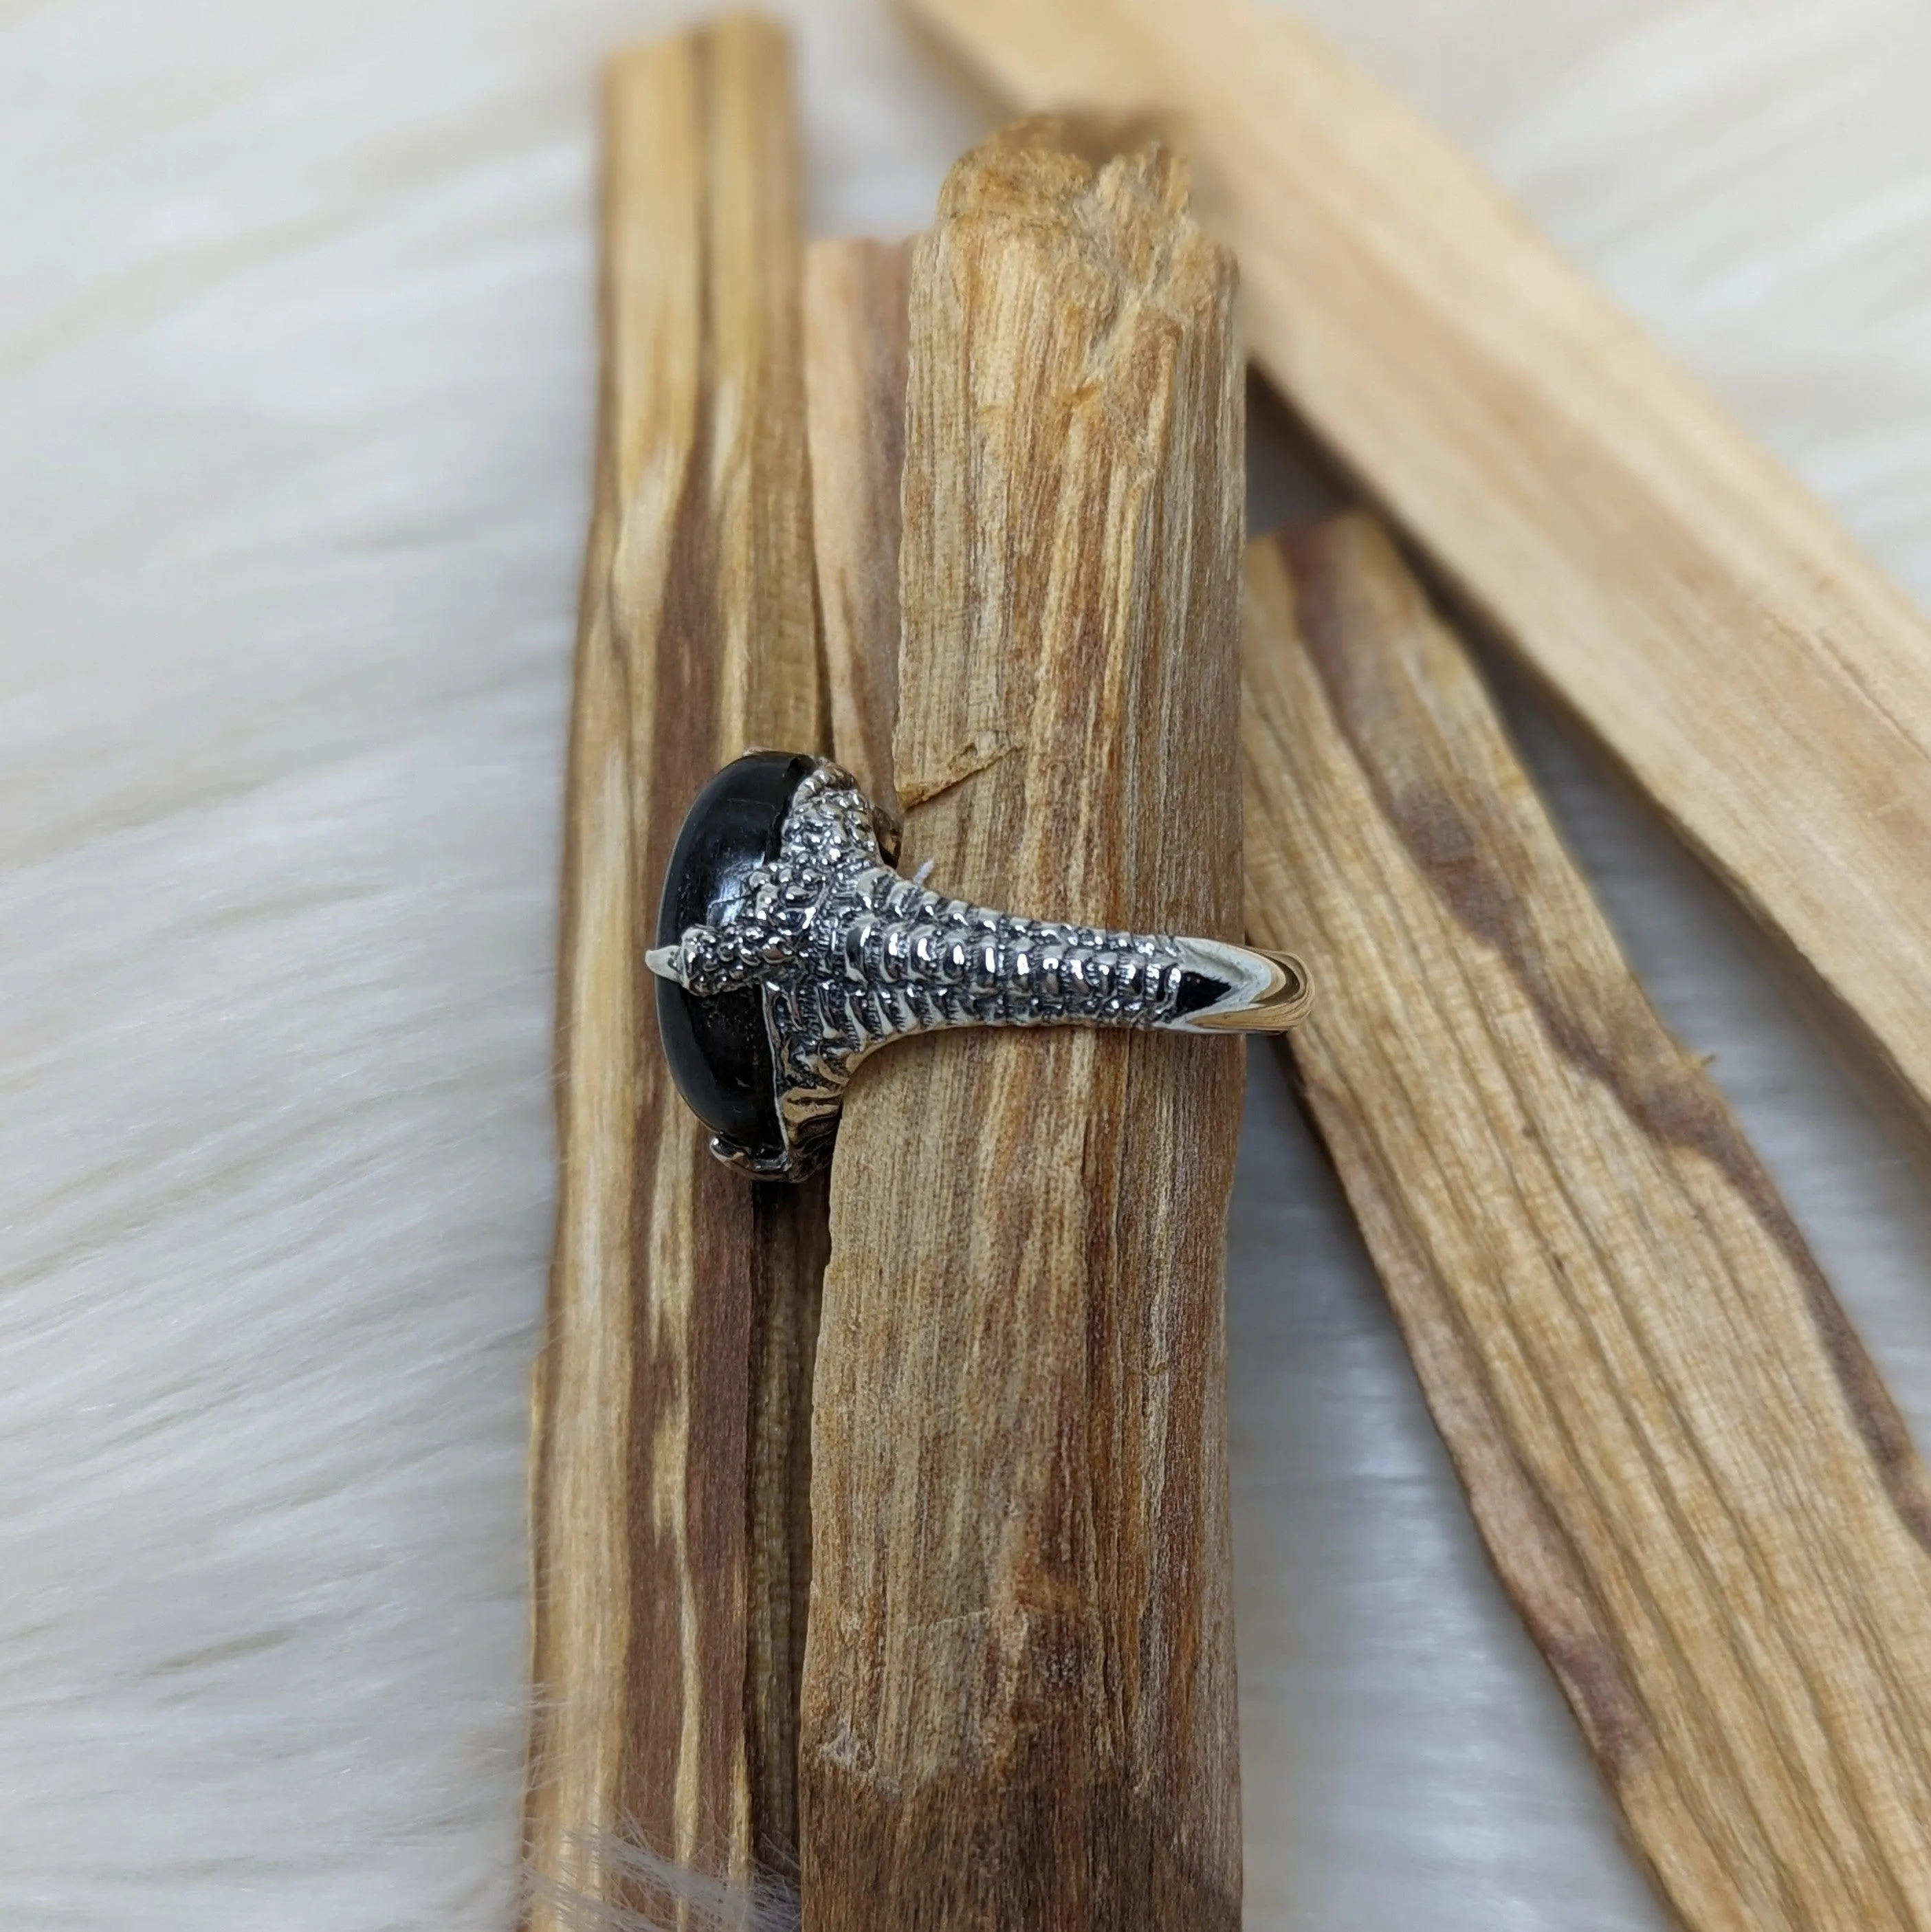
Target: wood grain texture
(670,1549)
(1754,675)
(856,293)
(1018,1702)
(1694,1485)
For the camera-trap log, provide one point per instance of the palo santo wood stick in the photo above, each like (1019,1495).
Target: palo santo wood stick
(669,1529)
(855,319)
(1755,675)
(1692,1482)
(1018,1704)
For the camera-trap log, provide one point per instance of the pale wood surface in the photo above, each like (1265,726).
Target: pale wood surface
(670,1548)
(1696,1489)
(1758,679)
(1018,1702)
(856,293)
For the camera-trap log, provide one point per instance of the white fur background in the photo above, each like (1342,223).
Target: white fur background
(296,364)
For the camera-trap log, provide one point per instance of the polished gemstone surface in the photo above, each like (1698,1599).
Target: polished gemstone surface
(718,1049)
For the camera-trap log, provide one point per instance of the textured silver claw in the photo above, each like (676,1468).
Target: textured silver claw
(844,955)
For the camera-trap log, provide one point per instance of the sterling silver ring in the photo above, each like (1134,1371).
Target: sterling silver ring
(788,949)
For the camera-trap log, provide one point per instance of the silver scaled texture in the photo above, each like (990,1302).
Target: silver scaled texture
(850,955)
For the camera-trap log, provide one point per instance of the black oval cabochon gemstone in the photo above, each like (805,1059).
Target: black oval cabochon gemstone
(718,1050)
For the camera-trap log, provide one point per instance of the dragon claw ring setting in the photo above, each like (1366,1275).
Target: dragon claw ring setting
(788,949)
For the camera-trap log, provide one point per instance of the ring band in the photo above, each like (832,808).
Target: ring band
(788,949)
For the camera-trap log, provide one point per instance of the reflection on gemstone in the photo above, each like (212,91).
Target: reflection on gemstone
(718,1049)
